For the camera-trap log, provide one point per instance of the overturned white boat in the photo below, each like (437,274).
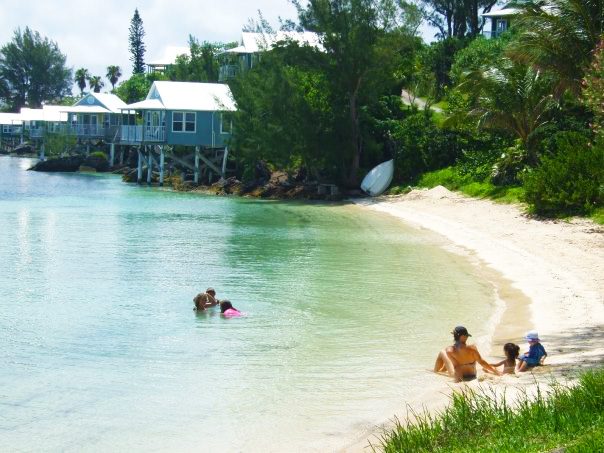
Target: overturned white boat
(378,179)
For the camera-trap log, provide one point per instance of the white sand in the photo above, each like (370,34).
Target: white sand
(554,267)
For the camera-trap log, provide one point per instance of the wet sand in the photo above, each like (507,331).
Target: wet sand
(548,274)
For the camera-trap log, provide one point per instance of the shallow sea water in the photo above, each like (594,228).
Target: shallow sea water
(101,351)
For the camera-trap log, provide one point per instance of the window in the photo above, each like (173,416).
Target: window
(226,124)
(183,121)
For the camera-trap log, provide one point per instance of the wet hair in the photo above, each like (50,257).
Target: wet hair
(225,305)
(458,332)
(511,350)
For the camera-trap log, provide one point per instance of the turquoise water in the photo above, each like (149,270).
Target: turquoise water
(101,351)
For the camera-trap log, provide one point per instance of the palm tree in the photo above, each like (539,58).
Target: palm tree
(81,76)
(559,36)
(96,83)
(512,97)
(113,74)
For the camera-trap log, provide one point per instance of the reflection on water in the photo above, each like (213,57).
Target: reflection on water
(344,312)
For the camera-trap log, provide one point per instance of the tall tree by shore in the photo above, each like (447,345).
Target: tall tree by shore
(113,74)
(137,47)
(81,77)
(32,71)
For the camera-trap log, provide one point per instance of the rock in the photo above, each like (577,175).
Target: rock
(87,169)
(23,149)
(97,162)
(261,172)
(70,163)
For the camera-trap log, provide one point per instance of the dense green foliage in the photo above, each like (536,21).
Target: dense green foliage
(136,87)
(136,45)
(570,180)
(81,77)
(593,89)
(201,65)
(481,421)
(32,71)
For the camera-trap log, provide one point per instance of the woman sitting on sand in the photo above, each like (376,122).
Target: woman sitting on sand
(459,360)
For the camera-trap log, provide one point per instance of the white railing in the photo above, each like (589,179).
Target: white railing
(132,134)
(155,133)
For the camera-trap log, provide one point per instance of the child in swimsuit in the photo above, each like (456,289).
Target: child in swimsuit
(227,309)
(509,363)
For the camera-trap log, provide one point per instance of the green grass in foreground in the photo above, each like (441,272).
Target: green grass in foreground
(562,416)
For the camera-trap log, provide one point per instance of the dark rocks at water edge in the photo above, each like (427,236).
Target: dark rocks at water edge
(73,163)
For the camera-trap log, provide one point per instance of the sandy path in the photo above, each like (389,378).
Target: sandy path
(554,270)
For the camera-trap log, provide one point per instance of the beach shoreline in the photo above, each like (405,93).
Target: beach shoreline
(548,274)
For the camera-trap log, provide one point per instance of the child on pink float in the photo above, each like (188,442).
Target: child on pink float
(227,309)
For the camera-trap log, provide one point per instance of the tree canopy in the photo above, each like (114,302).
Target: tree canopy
(137,47)
(32,71)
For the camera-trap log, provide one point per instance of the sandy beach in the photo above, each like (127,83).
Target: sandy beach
(549,275)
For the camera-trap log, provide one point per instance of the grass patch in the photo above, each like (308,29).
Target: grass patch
(598,216)
(451,179)
(479,421)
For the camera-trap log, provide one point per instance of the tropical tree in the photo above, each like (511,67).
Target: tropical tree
(559,36)
(113,74)
(353,40)
(81,76)
(96,83)
(32,70)
(511,97)
(137,47)
(457,18)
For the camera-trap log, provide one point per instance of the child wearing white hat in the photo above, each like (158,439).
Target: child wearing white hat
(535,355)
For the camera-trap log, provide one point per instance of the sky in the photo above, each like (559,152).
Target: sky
(95,35)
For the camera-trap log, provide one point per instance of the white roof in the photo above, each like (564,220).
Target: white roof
(254,42)
(54,113)
(503,12)
(85,109)
(111,102)
(191,96)
(28,114)
(147,104)
(170,54)
(10,118)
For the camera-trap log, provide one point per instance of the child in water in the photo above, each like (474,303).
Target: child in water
(535,355)
(227,309)
(509,363)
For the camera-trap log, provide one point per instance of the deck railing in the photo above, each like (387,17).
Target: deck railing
(132,134)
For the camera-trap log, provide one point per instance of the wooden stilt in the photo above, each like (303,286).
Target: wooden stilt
(111,154)
(139,174)
(121,155)
(149,165)
(224,161)
(196,171)
(161,165)
(42,157)
(87,149)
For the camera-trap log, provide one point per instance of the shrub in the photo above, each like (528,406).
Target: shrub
(569,181)
(99,155)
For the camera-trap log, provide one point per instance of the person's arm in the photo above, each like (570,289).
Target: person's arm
(498,363)
(484,363)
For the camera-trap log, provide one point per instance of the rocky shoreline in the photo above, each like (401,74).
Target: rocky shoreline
(265,183)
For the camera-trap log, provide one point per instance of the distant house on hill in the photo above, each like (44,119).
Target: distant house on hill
(246,54)
(169,58)
(501,20)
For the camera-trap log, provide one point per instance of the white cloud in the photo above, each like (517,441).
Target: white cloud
(95,35)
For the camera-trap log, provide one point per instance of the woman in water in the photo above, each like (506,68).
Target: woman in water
(227,309)
(459,360)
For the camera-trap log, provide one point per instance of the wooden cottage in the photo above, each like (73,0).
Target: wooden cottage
(186,114)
